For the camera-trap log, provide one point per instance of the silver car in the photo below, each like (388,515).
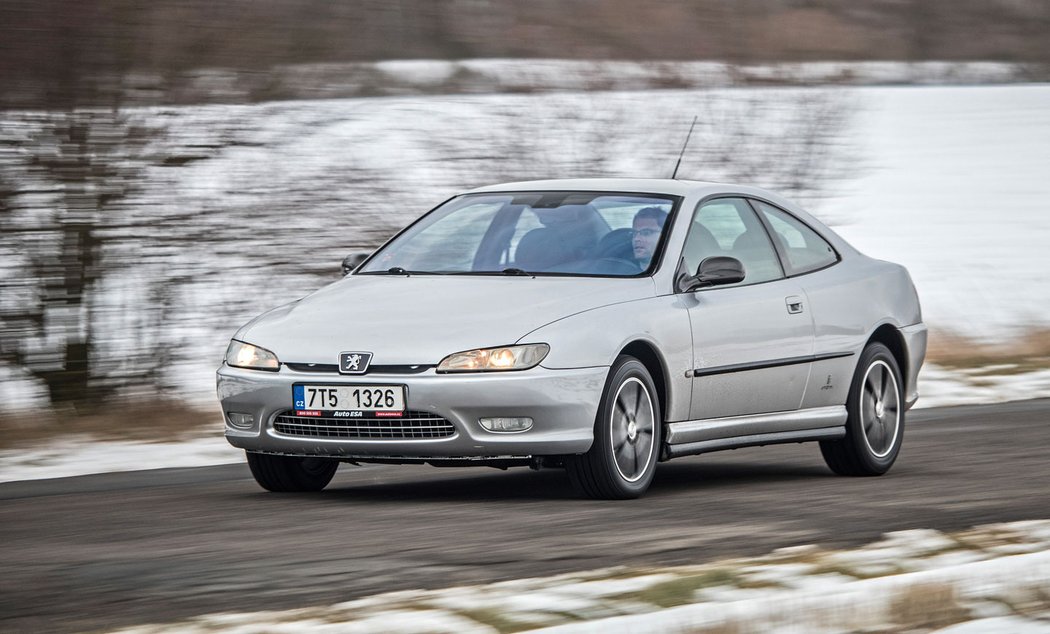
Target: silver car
(600,326)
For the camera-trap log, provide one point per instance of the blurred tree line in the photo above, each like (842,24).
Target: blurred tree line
(65,172)
(164,42)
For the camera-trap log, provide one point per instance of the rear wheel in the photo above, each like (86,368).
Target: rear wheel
(286,474)
(875,422)
(627,434)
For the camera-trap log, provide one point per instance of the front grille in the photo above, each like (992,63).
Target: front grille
(331,368)
(410,425)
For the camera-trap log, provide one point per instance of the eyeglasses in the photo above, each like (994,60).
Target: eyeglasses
(646,233)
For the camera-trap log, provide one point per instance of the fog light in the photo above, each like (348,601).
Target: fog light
(240,421)
(506,424)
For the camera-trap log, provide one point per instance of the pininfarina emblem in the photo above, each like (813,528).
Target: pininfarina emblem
(354,362)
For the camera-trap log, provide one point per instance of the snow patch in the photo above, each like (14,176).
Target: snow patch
(74,456)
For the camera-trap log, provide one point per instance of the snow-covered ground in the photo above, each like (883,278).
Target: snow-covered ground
(948,180)
(989,579)
(407,77)
(955,186)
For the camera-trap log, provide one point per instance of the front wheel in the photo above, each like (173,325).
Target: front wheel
(288,474)
(875,421)
(627,434)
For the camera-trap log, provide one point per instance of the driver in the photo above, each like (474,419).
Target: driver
(648,223)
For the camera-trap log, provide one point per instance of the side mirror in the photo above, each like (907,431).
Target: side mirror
(353,261)
(713,271)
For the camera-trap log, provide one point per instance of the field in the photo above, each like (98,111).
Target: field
(236,209)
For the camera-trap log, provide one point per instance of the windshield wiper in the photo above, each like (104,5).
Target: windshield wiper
(394,270)
(397,270)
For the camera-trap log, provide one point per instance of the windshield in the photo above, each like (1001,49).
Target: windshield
(554,233)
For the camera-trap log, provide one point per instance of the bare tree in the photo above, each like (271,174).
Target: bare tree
(80,165)
(65,172)
(794,141)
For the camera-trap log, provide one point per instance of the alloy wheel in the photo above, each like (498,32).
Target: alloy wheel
(880,408)
(631,429)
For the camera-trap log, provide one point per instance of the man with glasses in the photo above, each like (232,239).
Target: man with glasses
(648,223)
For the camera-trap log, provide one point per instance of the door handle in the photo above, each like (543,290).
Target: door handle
(794,304)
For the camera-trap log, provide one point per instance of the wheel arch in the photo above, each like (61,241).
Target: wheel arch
(654,363)
(889,336)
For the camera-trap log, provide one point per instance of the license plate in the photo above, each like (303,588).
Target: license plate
(348,400)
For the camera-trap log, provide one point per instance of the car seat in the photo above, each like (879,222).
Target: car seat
(569,233)
(543,248)
(615,244)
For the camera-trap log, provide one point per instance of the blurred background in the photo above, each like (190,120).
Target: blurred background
(170,168)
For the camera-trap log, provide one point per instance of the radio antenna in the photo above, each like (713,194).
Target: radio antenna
(679,163)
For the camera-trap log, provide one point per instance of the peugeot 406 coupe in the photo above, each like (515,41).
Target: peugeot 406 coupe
(600,326)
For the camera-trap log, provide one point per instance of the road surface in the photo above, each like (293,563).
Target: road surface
(110,550)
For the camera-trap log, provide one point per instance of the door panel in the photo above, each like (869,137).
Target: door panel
(750,352)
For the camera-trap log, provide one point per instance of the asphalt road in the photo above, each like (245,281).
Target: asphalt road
(98,552)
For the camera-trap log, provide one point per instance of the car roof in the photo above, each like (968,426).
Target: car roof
(633,185)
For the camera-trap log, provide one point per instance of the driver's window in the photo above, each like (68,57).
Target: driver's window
(729,227)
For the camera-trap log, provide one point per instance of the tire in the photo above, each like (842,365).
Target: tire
(875,418)
(628,431)
(288,474)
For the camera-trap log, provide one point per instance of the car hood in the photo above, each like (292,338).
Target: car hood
(423,318)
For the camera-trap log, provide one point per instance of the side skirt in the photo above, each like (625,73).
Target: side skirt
(715,434)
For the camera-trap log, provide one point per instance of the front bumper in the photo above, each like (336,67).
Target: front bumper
(562,403)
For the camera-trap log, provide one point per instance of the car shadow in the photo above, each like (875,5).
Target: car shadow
(440,485)
(697,473)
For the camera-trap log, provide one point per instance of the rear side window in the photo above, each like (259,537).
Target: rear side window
(804,249)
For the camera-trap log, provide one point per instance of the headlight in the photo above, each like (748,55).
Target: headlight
(245,355)
(492,359)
